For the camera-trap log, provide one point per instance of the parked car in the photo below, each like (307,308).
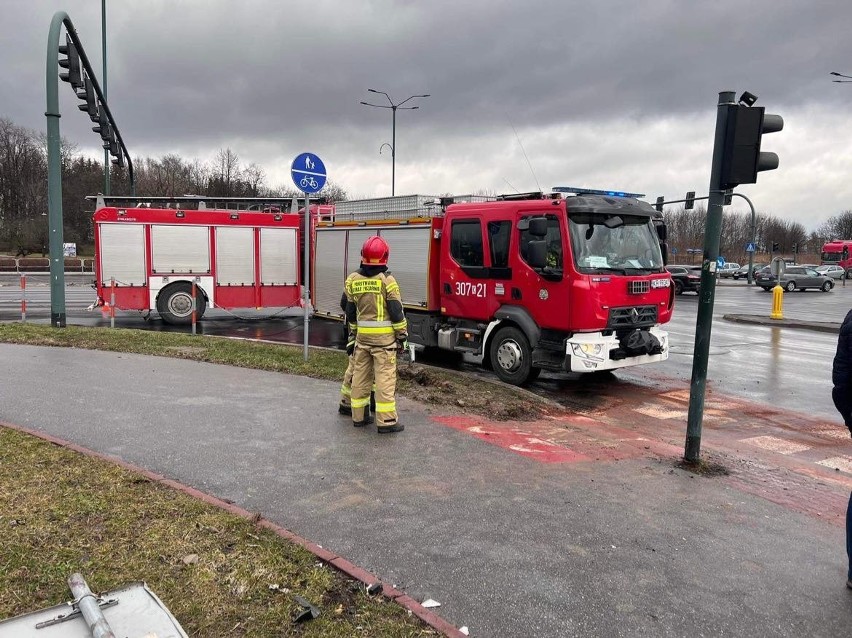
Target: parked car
(684,279)
(834,271)
(742,271)
(795,278)
(728,269)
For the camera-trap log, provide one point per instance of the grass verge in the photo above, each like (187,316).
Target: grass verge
(219,574)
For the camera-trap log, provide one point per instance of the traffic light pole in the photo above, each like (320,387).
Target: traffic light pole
(708,285)
(753,225)
(54,176)
(54,157)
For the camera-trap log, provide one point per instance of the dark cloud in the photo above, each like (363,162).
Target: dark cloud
(276,77)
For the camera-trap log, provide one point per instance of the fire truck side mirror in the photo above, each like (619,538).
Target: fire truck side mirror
(538,227)
(662,233)
(537,253)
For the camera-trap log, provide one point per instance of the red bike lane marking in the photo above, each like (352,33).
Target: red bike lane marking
(518,440)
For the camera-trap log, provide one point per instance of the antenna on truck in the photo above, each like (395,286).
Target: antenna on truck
(517,137)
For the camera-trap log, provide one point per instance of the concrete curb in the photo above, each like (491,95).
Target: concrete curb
(432,619)
(760,320)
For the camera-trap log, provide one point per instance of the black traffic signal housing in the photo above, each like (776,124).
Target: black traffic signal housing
(775,247)
(88,94)
(74,75)
(795,248)
(103,127)
(729,196)
(690,200)
(742,158)
(659,204)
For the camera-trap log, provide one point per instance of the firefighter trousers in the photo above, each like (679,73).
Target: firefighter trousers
(346,388)
(374,364)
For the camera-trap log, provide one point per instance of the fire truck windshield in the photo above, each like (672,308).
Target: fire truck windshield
(623,244)
(831,257)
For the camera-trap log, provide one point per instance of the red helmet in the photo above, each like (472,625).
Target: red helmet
(375,252)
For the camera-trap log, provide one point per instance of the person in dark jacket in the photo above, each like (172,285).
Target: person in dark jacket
(841,377)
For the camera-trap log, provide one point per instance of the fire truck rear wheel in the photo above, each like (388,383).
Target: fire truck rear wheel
(511,356)
(174,303)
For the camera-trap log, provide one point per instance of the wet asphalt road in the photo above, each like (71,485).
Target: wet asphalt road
(787,368)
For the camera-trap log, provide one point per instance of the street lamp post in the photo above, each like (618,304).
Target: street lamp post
(104,52)
(393,107)
(841,75)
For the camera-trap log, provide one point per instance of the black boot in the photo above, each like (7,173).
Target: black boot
(388,429)
(368,420)
(344,409)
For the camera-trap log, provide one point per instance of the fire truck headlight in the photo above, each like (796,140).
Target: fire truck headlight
(587,350)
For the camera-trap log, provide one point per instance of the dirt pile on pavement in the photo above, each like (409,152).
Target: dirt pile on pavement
(461,393)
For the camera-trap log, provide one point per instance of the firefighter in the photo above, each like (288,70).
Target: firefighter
(345,406)
(377,329)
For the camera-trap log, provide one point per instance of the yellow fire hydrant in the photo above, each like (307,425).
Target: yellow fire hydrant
(777,302)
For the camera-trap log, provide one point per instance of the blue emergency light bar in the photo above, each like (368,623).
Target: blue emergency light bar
(591,191)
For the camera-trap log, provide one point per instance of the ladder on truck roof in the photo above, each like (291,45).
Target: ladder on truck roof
(398,207)
(202,202)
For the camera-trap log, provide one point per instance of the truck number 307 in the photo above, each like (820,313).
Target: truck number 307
(468,289)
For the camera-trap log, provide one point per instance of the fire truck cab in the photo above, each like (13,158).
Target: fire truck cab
(527,282)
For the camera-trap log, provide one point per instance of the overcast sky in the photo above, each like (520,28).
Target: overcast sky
(525,94)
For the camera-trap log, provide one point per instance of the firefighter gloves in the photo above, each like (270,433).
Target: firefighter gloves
(402,344)
(350,346)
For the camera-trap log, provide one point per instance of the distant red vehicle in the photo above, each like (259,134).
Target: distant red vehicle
(837,252)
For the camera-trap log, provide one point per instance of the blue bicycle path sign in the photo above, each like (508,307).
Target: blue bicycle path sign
(720,261)
(308,173)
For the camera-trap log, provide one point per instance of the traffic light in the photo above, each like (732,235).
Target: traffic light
(103,126)
(659,204)
(729,196)
(775,247)
(88,94)
(795,248)
(71,62)
(118,161)
(690,200)
(742,158)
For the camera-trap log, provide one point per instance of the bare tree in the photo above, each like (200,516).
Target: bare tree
(254,176)
(226,172)
(23,176)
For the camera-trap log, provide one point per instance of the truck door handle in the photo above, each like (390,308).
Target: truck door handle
(448,290)
(516,293)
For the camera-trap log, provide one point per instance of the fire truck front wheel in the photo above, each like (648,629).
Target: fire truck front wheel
(174,303)
(511,356)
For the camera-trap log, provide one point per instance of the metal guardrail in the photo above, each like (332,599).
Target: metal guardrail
(17,265)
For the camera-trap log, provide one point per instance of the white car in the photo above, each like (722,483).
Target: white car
(728,269)
(834,271)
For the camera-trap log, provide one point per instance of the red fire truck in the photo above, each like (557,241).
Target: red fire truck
(149,258)
(837,253)
(526,282)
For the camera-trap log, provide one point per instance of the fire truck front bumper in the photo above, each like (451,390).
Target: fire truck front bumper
(594,351)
